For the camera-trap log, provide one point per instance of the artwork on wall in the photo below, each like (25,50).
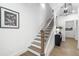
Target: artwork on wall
(69,29)
(8,18)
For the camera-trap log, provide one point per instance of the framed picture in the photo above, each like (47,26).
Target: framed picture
(8,18)
(69,29)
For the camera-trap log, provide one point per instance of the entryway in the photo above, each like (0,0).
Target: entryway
(69,46)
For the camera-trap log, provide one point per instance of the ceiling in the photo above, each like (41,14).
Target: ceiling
(57,7)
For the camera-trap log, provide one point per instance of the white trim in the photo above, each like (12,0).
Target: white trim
(19,53)
(36,46)
(38,41)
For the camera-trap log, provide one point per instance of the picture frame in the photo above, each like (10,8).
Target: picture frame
(9,18)
(69,29)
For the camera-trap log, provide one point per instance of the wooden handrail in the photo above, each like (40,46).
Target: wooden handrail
(42,43)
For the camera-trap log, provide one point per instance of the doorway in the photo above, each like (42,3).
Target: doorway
(70,29)
(71,33)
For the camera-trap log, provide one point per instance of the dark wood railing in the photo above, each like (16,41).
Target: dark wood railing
(42,43)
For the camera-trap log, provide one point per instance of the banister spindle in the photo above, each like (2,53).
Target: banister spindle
(42,43)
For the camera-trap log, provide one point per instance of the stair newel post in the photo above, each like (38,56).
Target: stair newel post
(42,43)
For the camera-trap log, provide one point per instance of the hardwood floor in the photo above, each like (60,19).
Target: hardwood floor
(67,48)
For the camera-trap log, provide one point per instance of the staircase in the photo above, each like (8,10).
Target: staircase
(38,45)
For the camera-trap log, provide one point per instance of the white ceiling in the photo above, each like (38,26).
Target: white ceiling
(57,6)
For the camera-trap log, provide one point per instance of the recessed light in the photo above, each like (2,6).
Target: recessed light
(43,5)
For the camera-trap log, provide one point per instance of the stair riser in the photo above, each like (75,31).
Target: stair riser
(36,46)
(44,38)
(40,35)
(39,41)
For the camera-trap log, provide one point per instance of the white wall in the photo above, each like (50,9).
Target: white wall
(13,41)
(70,24)
(78,29)
(78,35)
(62,19)
(47,13)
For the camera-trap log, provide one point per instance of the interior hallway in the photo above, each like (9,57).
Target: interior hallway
(67,48)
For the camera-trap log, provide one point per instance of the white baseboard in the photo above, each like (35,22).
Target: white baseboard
(18,53)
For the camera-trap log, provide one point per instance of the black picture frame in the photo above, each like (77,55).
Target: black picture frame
(9,18)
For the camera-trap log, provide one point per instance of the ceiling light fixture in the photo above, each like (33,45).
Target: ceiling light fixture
(43,5)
